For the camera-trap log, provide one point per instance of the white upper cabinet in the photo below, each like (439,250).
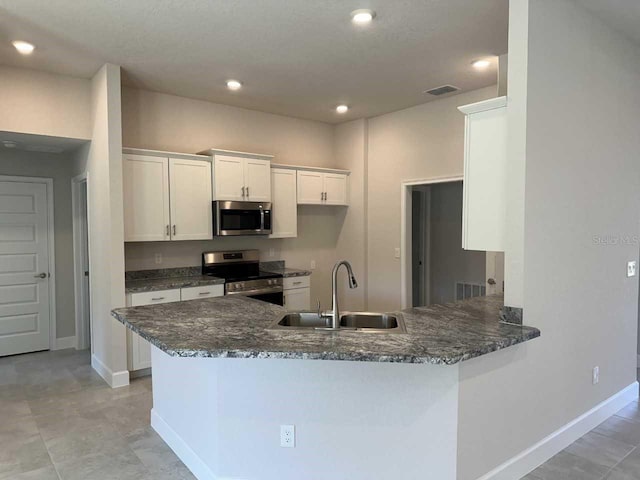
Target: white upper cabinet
(146,198)
(166,198)
(284,217)
(322,188)
(241,177)
(228,178)
(190,192)
(257,180)
(485,175)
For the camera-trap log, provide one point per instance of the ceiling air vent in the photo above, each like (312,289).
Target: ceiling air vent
(442,90)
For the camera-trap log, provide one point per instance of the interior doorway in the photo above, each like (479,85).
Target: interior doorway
(81,255)
(436,269)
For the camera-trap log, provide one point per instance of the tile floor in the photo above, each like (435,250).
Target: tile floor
(60,421)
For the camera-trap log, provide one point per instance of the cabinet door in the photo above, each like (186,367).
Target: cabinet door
(335,189)
(310,188)
(139,350)
(228,178)
(297,299)
(485,167)
(284,216)
(145,198)
(257,180)
(190,192)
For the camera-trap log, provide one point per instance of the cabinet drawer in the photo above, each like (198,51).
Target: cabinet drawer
(296,282)
(151,298)
(206,291)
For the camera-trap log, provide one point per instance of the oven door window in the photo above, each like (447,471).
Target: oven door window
(275,298)
(240,220)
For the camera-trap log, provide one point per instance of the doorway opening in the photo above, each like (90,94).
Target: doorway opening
(81,255)
(436,269)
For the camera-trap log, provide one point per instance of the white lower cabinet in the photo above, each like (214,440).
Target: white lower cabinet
(138,349)
(297,293)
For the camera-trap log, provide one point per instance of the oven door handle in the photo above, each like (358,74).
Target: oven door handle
(257,291)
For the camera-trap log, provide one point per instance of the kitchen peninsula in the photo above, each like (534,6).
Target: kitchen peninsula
(215,404)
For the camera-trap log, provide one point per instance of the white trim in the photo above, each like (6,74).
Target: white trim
(113,379)
(78,269)
(483,106)
(64,343)
(51,245)
(233,153)
(527,460)
(311,169)
(405,236)
(163,154)
(190,458)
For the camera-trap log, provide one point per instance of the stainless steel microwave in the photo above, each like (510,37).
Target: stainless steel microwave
(241,218)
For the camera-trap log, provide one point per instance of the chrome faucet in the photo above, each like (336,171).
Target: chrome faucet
(335,309)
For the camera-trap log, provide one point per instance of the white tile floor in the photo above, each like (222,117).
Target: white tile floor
(61,421)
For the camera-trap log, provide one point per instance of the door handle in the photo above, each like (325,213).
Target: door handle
(40,275)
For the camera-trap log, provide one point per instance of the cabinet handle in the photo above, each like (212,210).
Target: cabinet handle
(297,283)
(247,192)
(321,196)
(168,232)
(242,192)
(204,293)
(174,229)
(157,299)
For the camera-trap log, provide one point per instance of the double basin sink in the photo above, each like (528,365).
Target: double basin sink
(351,321)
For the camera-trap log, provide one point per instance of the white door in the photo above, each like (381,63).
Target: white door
(284,217)
(145,198)
(228,175)
(335,189)
(24,268)
(310,188)
(297,300)
(257,180)
(190,193)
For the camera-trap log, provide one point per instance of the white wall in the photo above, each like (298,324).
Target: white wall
(102,159)
(44,103)
(167,122)
(422,142)
(57,167)
(582,177)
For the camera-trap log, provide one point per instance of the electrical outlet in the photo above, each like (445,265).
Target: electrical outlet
(397,253)
(595,377)
(272,252)
(287,436)
(313,264)
(631,269)
(158,258)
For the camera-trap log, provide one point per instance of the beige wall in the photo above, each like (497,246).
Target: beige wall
(44,103)
(57,167)
(582,177)
(422,142)
(166,122)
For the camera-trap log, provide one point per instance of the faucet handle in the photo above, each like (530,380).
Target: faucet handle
(319,308)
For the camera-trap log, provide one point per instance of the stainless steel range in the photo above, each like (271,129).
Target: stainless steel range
(241,272)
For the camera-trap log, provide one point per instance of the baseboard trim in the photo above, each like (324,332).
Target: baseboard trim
(536,455)
(64,343)
(114,379)
(184,452)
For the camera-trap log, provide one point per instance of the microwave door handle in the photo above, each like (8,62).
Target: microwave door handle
(262,220)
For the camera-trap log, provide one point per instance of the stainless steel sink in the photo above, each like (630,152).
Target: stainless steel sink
(369,322)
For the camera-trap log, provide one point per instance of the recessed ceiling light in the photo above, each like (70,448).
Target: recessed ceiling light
(234,85)
(481,64)
(362,16)
(342,109)
(25,48)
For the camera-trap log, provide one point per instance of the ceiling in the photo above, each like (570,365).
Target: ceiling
(38,143)
(295,57)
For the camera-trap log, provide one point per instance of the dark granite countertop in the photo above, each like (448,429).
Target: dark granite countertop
(168,283)
(239,327)
(286,272)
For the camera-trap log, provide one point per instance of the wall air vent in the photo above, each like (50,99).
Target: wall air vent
(442,90)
